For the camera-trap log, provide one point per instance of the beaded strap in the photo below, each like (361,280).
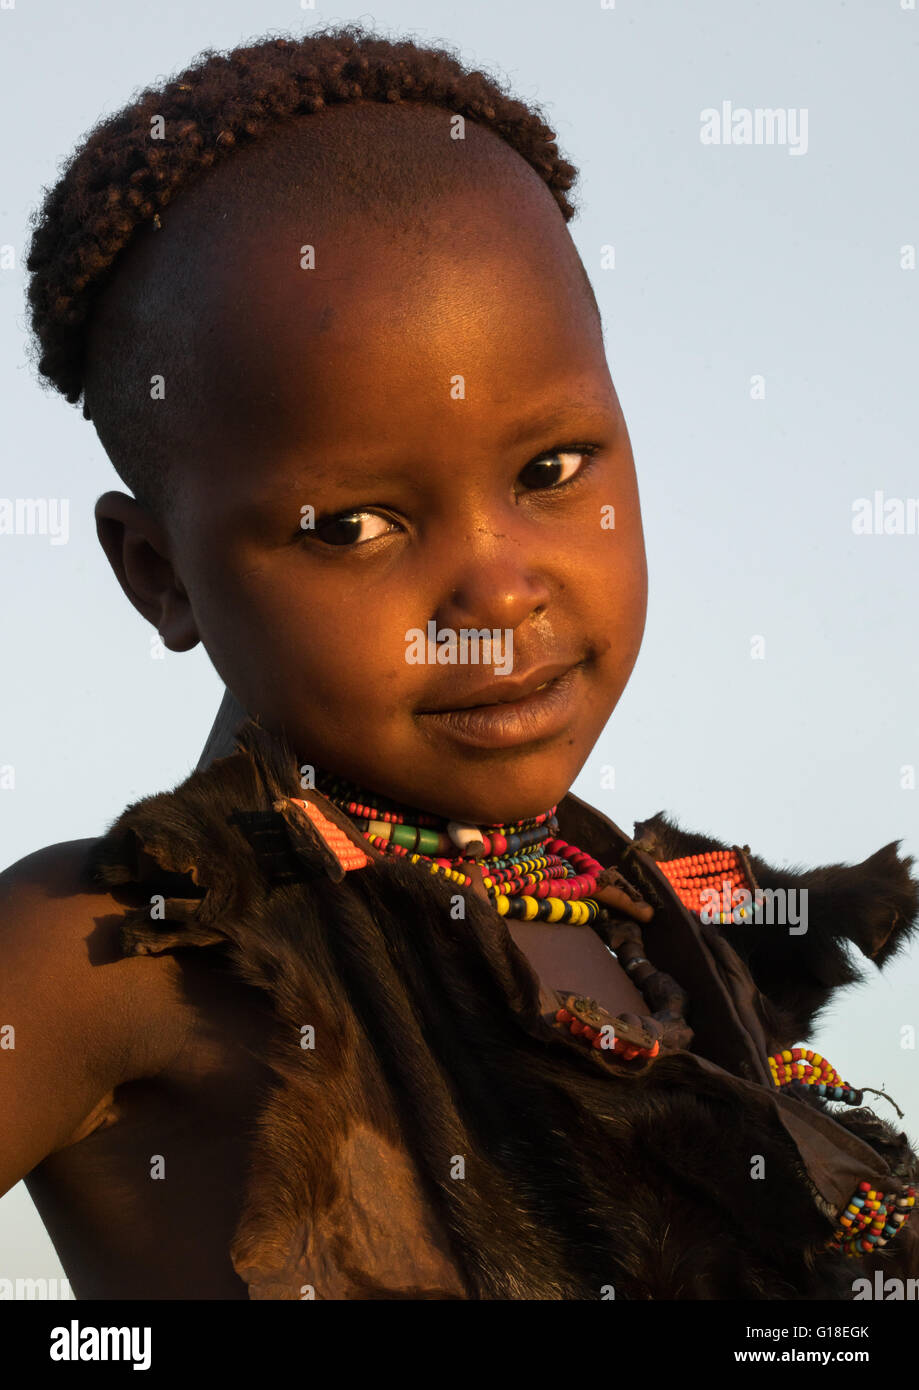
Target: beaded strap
(871,1219)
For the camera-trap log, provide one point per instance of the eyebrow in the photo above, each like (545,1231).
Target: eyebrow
(554,419)
(376,476)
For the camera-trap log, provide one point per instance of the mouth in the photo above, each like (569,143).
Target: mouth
(506,689)
(542,712)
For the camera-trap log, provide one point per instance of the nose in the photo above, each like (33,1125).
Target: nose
(496,584)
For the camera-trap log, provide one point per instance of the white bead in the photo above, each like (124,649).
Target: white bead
(467,838)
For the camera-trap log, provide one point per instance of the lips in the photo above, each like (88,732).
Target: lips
(504,690)
(543,714)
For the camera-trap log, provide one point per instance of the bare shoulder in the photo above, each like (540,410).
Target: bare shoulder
(76,1018)
(60,936)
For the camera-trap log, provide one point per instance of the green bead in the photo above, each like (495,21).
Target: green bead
(404,835)
(428,841)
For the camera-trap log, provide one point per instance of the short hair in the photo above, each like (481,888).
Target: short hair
(119,180)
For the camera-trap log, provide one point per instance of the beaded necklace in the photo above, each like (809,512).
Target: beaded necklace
(527,871)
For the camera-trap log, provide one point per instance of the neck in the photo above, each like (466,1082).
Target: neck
(361,801)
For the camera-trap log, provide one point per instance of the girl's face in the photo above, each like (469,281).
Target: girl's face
(442,402)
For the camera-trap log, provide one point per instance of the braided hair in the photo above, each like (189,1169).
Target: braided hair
(122,176)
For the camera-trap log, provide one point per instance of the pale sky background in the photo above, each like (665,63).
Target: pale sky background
(730,262)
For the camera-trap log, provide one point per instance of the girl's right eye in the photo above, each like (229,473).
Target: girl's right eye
(346,529)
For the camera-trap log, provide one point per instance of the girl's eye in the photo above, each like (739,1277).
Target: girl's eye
(348,528)
(552,470)
(555,468)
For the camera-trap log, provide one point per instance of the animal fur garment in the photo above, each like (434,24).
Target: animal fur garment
(442,1138)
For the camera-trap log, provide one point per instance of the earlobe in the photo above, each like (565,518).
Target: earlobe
(176,624)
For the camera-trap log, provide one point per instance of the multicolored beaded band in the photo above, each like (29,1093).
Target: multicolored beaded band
(871,1219)
(803,1064)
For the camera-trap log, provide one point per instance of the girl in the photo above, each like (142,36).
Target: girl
(406,1018)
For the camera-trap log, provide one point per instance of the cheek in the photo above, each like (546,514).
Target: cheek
(611,555)
(337,649)
(613,580)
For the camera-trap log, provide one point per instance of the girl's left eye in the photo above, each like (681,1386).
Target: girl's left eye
(346,529)
(558,467)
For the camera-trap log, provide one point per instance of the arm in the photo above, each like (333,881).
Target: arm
(76,1020)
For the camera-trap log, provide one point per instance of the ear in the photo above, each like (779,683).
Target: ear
(139,551)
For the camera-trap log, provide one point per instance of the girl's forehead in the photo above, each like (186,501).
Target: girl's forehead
(211,277)
(298,313)
(350,318)
(364,344)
